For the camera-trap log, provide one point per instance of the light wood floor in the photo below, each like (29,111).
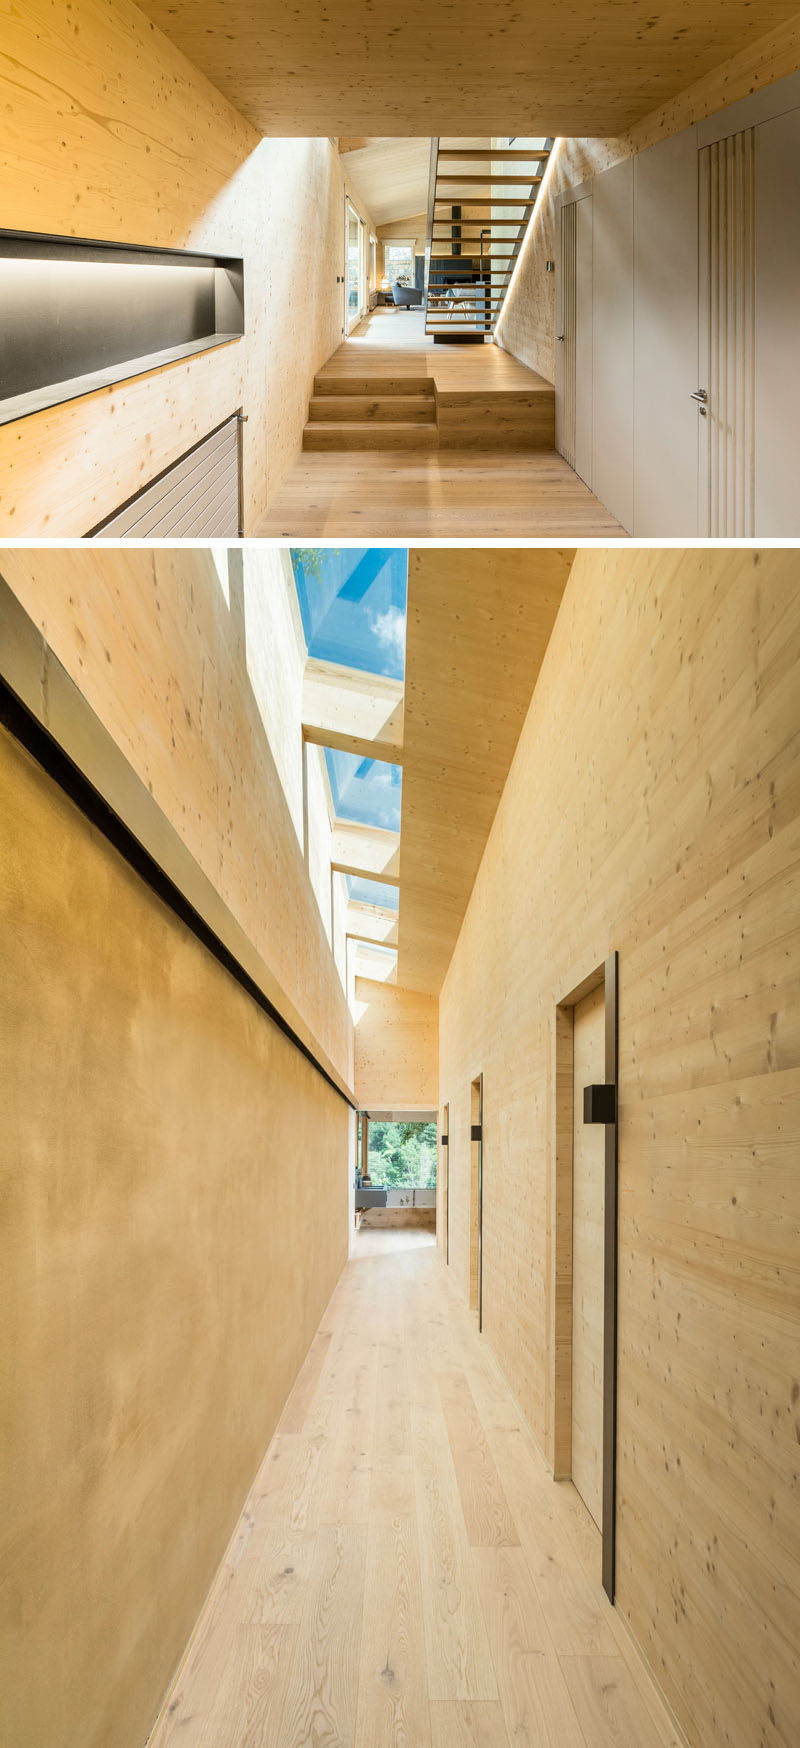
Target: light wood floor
(405,1572)
(457,493)
(394,343)
(419,494)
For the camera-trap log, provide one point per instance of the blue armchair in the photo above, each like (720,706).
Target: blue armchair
(406,297)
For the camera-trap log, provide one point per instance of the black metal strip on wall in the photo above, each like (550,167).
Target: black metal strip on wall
(23,725)
(610,1272)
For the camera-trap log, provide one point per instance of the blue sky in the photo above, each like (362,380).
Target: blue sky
(353,604)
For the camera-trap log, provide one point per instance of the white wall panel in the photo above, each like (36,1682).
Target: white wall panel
(777,326)
(665,338)
(612,344)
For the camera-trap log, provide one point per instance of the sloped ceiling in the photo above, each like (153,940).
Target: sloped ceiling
(391,176)
(453,67)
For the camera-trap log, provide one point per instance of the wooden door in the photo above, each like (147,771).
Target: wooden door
(588,1199)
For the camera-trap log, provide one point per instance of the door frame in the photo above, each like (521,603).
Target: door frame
(476,1167)
(602,1107)
(445,1143)
(349,208)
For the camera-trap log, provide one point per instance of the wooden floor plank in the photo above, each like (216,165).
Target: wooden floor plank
(608,1704)
(379,1625)
(458,493)
(393,1689)
(320,1703)
(483,1502)
(467,1724)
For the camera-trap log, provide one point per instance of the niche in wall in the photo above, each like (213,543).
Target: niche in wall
(78,316)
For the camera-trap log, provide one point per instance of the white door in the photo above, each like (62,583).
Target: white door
(565,336)
(727,336)
(612,340)
(588,1202)
(666,418)
(573,364)
(777,327)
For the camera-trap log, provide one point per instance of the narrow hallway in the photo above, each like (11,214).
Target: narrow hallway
(405,1570)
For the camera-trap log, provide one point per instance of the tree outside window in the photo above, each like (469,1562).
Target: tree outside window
(402,1155)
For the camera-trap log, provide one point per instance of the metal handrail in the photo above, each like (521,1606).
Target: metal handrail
(432,174)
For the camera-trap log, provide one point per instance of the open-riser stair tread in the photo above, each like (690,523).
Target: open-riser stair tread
(480,200)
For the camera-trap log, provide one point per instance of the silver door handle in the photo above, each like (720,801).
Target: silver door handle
(699,394)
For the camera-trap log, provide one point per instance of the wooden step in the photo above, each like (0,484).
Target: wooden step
(383,409)
(504,152)
(366,434)
(480,181)
(372,385)
(469,200)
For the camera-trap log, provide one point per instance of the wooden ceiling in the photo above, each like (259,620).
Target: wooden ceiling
(477,629)
(454,67)
(391,176)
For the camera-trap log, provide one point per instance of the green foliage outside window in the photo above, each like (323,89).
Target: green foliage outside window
(402,1155)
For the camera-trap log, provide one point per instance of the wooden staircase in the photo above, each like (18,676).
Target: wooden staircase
(481,197)
(372,413)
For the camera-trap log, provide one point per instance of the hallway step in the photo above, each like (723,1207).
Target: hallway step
(373,385)
(369,434)
(391,408)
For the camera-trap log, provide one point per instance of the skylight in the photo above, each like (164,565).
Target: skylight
(366,791)
(372,892)
(353,605)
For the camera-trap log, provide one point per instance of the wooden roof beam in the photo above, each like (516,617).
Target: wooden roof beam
(370,922)
(353,712)
(366,851)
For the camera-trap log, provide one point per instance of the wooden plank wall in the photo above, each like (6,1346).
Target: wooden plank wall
(168,1161)
(196,678)
(527,324)
(396,1047)
(109,132)
(653,806)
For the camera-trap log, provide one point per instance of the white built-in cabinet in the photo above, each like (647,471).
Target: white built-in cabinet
(677,332)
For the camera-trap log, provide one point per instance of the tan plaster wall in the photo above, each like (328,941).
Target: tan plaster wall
(198,679)
(173,1218)
(109,132)
(527,324)
(653,806)
(396,1046)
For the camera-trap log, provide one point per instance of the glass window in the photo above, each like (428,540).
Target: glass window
(402,1155)
(367,791)
(399,262)
(353,606)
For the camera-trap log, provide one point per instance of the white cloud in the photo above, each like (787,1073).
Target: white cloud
(390,630)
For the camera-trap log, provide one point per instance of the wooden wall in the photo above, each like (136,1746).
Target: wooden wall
(168,1159)
(396,1047)
(527,325)
(109,132)
(194,676)
(653,806)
